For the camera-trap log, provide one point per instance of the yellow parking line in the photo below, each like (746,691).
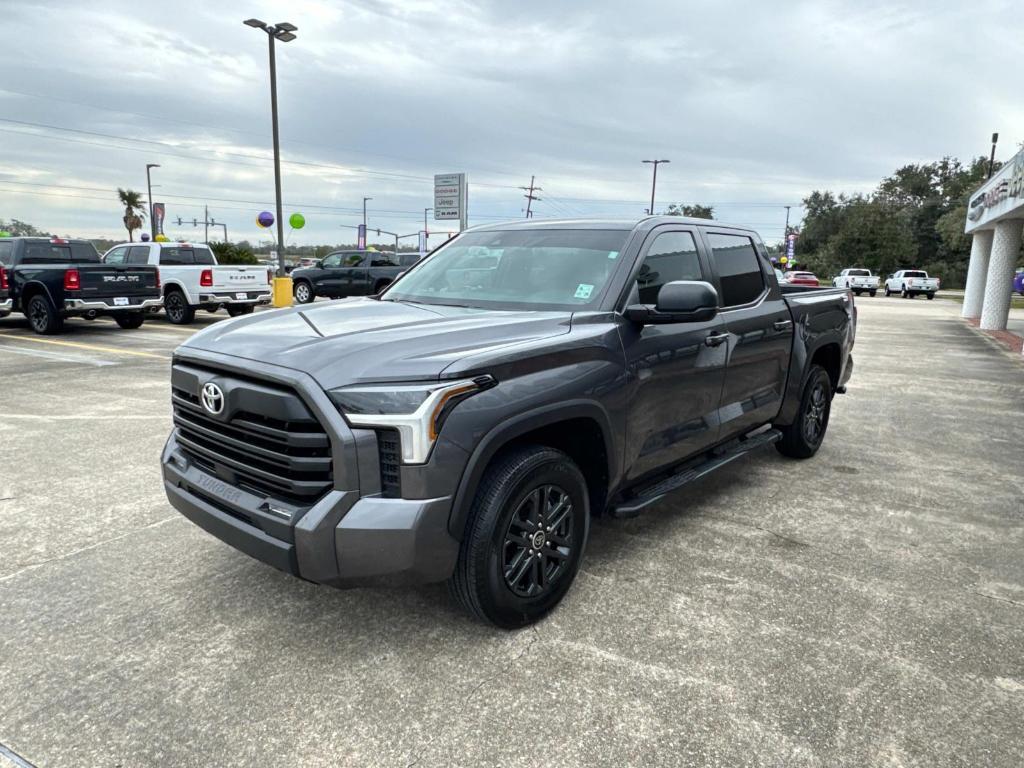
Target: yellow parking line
(80,345)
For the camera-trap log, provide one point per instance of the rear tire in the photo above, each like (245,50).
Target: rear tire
(304,293)
(803,438)
(130,321)
(904,293)
(177,308)
(43,316)
(524,538)
(887,291)
(241,309)
(930,296)
(872,293)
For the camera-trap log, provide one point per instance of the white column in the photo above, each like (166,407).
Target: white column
(977,272)
(999,283)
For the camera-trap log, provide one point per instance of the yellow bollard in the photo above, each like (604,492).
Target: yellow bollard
(282,292)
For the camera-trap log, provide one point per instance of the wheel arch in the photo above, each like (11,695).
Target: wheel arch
(30,289)
(580,429)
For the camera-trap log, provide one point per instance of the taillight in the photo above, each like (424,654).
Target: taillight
(270,276)
(3,279)
(206,278)
(937,282)
(158,278)
(72,280)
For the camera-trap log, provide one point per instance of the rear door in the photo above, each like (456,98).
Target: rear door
(676,370)
(760,329)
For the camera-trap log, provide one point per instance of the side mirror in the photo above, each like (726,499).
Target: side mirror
(320,264)
(681,301)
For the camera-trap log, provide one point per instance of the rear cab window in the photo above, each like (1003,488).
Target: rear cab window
(138,254)
(6,253)
(180,255)
(739,268)
(915,273)
(51,252)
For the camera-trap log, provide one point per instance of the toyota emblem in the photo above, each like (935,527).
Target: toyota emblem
(213,398)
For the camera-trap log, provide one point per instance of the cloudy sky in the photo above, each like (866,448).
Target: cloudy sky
(754,103)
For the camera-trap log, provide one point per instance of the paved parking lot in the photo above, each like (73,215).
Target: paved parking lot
(863,608)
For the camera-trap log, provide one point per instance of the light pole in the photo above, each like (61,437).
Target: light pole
(284,32)
(654,181)
(149,191)
(364,210)
(992,157)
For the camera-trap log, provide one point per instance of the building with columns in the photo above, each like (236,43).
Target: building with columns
(995,219)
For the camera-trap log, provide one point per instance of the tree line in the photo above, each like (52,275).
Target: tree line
(914,219)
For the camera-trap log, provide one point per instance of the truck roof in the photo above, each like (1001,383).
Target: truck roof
(621,223)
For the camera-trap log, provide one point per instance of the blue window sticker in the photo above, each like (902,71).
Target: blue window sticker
(583,291)
(613,254)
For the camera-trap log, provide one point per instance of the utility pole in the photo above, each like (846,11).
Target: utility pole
(206,224)
(426,229)
(992,157)
(654,180)
(530,197)
(364,210)
(785,233)
(149,191)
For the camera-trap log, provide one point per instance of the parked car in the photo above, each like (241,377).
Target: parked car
(908,283)
(466,423)
(49,279)
(1018,281)
(801,278)
(857,280)
(193,279)
(350,273)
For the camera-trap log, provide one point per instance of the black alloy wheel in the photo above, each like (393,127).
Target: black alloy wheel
(42,316)
(814,412)
(803,438)
(177,308)
(538,542)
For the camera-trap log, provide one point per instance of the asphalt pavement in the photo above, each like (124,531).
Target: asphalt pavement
(862,608)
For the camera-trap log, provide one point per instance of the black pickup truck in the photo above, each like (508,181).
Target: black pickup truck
(465,424)
(349,273)
(49,279)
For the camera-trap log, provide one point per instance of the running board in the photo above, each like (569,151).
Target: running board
(651,494)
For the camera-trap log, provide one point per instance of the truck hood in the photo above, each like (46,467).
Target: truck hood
(362,340)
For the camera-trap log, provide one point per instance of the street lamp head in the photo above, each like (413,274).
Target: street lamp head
(284,37)
(284,26)
(152,165)
(256,23)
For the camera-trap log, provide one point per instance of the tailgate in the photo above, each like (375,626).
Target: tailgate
(100,281)
(230,278)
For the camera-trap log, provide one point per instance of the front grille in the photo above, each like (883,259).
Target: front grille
(287,459)
(389,450)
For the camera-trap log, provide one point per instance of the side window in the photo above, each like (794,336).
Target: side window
(383,260)
(6,253)
(332,260)
(138,254)
(739,269)
(204,256)
(353,260)
(672,256)
(117,256)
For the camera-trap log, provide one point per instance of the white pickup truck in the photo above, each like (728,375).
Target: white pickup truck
(910,282)
(857,280)
(192,279)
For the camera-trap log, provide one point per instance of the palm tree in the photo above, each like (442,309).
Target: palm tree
(134,210)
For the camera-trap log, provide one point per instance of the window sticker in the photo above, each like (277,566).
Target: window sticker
(613,254)
(583,291)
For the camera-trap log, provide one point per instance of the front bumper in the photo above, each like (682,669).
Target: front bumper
(107,305)
(342,540)
(231,297)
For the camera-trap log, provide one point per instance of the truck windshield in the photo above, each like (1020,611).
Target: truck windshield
(915,274)
(43,252)
(516,269)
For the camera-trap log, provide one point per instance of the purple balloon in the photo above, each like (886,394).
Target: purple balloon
(145,237)
(265,219)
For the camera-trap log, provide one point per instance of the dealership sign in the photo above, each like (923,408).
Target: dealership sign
(1001,195)
(450,197)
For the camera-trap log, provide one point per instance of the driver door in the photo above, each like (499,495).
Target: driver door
(676,370)
(326,281)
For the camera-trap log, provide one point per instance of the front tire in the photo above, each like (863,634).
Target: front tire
(130,321)
(872,293)
(887,291)
(304,293)
(177,308)
(803,438)
(43,316)
(524,538)
(930,296)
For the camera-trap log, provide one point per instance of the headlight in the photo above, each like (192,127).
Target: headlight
(416,411)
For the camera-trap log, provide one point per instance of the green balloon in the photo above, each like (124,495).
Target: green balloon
(297,220)
(4,233)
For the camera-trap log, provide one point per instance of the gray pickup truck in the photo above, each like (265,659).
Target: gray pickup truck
(466,424)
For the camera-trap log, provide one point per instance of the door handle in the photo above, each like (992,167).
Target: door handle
(715,339)
(782,325)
